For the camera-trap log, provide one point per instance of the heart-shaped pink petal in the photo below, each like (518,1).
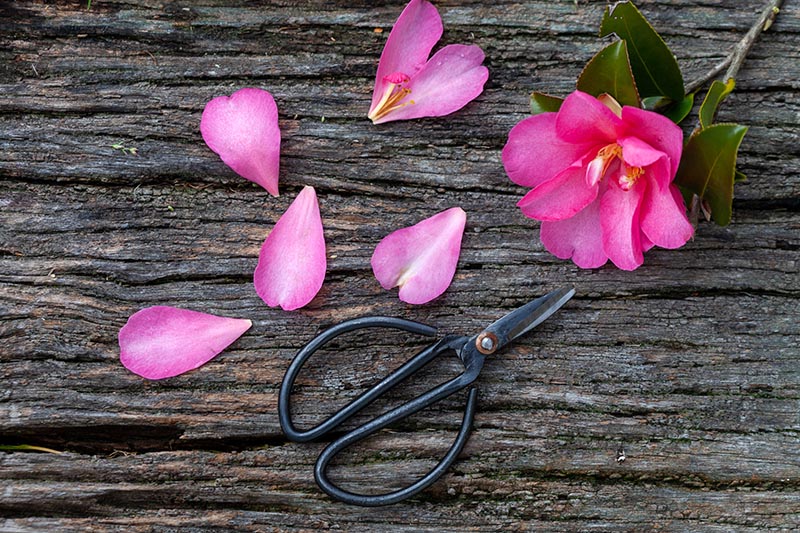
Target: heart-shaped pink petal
(291,266)
(161,342)
(421,259)
(243,130)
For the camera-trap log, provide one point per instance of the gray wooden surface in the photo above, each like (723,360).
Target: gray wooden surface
(689,365)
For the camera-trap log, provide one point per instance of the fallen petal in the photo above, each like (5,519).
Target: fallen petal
(243,130)
(421,259)
(416,32)
(451,79)
(160,342)
(291,266)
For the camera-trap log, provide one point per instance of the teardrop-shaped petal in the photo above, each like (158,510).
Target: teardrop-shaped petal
(161,342)
(416,32)
(243,130)
(421,259)
(451,79)
(291,266)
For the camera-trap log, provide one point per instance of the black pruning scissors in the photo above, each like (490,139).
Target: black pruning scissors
(472,352)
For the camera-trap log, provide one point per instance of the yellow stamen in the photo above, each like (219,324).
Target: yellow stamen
(599,165)
(390,101)
(629,177)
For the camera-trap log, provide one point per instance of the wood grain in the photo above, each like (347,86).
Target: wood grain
(689,366)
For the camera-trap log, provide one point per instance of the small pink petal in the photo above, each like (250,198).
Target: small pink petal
(579,238)
(161,342)
(583,118)
(451,79)
(534,153)
(656,130)
(416,32)
(421,259)
(637,153)
(561,197)
(243,130)
(664,219)
(619,218)
(291,265)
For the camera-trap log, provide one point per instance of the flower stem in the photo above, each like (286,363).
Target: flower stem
(735,60)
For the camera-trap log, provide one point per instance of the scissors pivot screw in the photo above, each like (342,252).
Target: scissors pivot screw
(486,343)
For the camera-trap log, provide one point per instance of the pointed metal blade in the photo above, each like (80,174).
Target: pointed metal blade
(522,320)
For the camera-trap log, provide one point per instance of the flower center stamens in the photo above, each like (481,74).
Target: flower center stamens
(392,96)
(598,167)
(629,176)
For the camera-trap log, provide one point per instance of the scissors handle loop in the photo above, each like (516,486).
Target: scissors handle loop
(284,411)
(402,411)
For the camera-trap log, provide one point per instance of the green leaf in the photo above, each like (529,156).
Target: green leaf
(544,103)
(675,111)
(738,176)
(716,94)
(610,72)
(654,67)
(708,167)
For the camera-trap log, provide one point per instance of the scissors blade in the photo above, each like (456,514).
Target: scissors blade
(522,320)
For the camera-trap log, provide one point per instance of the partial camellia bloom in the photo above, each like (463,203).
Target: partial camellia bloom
(160,342)
(421,259)
(243,130)
(409,85)
(602,180)
(291,266)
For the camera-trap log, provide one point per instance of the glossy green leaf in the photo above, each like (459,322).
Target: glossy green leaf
(716,94)
(609,72)
(738,176)
(675,111)
(654,67)
(544,103)
(708,167)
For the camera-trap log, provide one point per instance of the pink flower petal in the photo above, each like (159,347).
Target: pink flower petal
(664,219)
(291,266)
(561,197)
(637,153)
(534,153)
(579,238)
(416,32)
(161,342)
(421,259)
(619,218)
(583,118)
(656,130)
(451,79)
(243,130)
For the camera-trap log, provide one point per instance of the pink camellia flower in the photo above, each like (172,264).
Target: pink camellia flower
(421,259)
(161,342)
(602,180)
(243,130)
(291,266)
(409,85)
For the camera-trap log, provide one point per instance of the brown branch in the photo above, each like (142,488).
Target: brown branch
(736,58)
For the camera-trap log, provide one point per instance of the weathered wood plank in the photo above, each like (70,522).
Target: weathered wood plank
(689,365)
